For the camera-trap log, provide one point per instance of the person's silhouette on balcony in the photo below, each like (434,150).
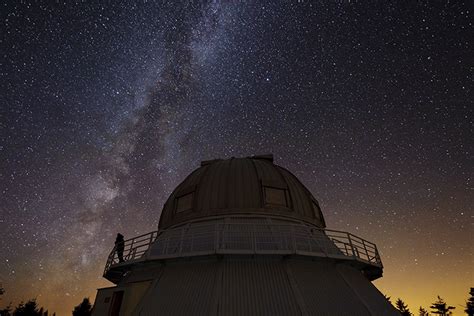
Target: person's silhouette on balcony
(119,246)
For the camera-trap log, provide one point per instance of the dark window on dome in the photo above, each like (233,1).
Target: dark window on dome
(317,211)
(184,203)
(275,196)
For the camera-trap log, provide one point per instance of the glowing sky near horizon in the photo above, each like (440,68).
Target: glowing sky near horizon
(105,109)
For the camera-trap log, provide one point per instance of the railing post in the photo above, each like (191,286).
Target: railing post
(131,252)
(149,244)
(350,244)
(377,256)
(366,252)
(112,255)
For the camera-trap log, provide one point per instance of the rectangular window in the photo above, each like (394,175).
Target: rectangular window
(184,203)
(275,196)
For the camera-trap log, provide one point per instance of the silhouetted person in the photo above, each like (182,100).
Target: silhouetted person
(119,246)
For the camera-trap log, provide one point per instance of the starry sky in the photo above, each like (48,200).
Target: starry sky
(106,108)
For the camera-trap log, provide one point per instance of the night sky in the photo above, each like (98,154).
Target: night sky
(105,109)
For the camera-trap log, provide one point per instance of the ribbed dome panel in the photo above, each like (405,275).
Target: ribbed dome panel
(239,186)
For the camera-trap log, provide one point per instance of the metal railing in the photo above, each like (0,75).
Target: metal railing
(134,248)
(246,238)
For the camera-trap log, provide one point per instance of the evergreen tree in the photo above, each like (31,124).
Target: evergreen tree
(441,308)
(42,312)
(402,308)
(470,303)
(29,308)
(83,309)
(7,311)
(423,312)
(19,310)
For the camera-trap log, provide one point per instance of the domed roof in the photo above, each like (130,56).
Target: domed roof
(240,186)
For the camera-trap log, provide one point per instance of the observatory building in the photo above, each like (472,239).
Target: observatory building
(243,236)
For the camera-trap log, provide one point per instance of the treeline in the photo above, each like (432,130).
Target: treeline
(31,308)
(25,309)
(439,307)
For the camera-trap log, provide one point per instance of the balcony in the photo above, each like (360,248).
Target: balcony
(246,238)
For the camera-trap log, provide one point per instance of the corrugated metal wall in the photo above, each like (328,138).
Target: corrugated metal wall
(183,289)
(366,291)
(324,291)
(256,288)
(262,286)
(133,295)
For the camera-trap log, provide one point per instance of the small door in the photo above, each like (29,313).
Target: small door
(116,303)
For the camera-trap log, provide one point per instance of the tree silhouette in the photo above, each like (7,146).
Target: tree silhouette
(29,308)
(6,311)
(423,312)
(441,308)
(470,303)
(42,312)
(402,307)
(83,309)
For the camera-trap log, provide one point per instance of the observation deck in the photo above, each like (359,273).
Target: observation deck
(246,238)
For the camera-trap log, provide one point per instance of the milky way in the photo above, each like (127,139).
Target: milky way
(105,109)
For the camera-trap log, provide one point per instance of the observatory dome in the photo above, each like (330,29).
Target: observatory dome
(242,236)
(240,186)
